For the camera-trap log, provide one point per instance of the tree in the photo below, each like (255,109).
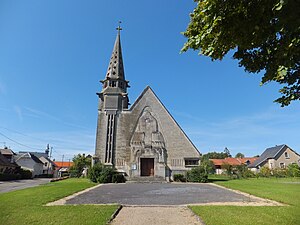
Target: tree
(239,155)
(207,165)
(79,163)
(215,155)
(227,152)
(265,35)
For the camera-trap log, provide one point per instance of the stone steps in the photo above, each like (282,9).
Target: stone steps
(146,179)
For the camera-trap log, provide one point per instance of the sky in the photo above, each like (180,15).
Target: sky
(54,53)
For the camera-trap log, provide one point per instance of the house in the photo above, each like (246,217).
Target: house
(6,166)
(8,154)
(48,164)
(219,163)
(62,168)
(143,140)
(28,161)
(279,156)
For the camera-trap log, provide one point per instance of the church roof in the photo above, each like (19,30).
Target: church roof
(143,95)
(115,68)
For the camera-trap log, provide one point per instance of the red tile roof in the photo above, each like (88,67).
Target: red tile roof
(63,164)
(233,161)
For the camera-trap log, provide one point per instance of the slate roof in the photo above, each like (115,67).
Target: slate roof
(269,153)
(37,154)
(36,159)
(30,155)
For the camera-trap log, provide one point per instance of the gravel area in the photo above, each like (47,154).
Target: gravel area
(163,215)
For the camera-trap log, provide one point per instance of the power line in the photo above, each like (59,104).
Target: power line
(19,142)
(26,135)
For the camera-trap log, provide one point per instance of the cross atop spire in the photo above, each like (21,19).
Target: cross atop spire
(119,28)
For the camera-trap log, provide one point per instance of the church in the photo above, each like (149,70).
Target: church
(143,140)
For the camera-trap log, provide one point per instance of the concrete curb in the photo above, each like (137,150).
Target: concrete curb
(257,200)
(115,214)
(63,200)
(198,218)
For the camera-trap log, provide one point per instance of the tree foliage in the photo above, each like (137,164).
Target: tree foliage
(239,155)
(197,174)
(217,155)
(105,174)
(79,163)
(265,35)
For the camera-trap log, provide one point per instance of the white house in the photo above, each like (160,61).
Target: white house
(28,161)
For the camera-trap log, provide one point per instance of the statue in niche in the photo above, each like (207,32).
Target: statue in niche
(147,139)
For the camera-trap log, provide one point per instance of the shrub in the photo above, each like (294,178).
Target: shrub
(264,172)
(105,174)
(179,178)
(25,174)
(95,172)
(6,176)
(293,170)
(279,172)
(197,174)
(118,178)
(228,168)
(248,174)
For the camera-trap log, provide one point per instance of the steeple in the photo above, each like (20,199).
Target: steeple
(115,68)
(114,82)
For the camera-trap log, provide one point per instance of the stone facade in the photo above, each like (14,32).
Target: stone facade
(144,140)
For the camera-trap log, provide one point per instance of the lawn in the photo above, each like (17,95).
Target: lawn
(28,206)
(282,190)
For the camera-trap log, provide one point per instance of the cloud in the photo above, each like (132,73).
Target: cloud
(67,143)
(249,134)
(43,115)
(18,111)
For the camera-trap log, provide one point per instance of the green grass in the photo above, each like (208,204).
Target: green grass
(285,190)
(217,177)
(28,206)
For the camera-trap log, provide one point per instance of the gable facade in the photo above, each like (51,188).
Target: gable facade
(276,157)
(144,140)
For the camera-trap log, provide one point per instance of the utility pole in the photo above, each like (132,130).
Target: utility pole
(49,159)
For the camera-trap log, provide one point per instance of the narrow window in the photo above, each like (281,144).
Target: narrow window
(286,155)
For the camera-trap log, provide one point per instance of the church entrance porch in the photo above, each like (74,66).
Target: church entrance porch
(147,166)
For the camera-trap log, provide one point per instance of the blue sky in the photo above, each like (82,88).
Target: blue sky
(53,54)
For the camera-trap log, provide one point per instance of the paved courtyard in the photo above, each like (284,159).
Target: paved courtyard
(157,194)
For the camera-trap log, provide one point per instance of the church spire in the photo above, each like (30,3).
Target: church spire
(114,83)
(115,68)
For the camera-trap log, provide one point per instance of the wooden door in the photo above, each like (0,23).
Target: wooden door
(147,167)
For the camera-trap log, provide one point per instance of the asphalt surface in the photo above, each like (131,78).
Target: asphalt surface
(7,186)
(157,194)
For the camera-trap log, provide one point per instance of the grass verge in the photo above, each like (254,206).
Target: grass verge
(285,190)
(28,206)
